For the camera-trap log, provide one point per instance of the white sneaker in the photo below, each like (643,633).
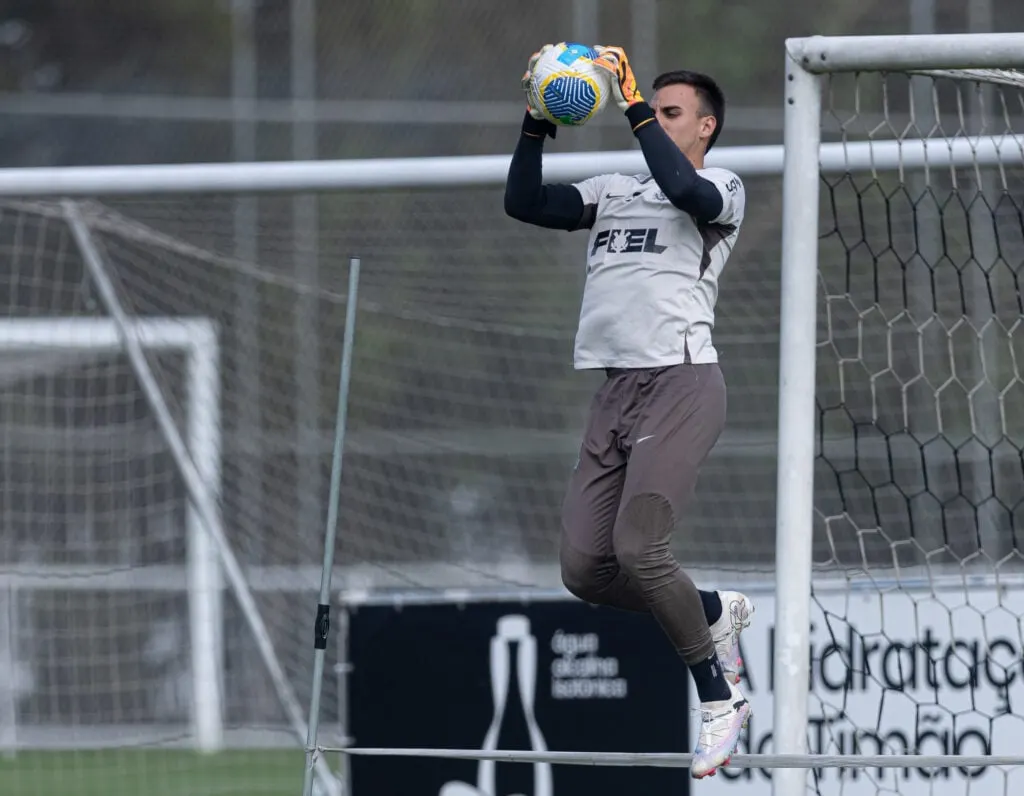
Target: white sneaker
(720,726)
(737,610)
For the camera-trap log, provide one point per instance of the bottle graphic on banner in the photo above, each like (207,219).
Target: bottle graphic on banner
(513,628)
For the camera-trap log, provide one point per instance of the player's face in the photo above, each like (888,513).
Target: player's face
(678,110)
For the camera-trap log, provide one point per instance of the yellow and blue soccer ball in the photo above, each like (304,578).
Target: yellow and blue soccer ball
(566,86)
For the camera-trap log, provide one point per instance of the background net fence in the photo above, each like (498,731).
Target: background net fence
(463,424)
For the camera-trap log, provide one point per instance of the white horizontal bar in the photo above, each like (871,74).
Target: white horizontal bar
(821,54)
(479,170)
(156,107)
(82,735)
(511,442)
(426,582)
(672,760)
(100,334)
(219,110)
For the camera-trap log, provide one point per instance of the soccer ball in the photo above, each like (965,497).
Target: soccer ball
(566,86)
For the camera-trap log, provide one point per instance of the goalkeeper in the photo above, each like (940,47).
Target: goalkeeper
(657,246)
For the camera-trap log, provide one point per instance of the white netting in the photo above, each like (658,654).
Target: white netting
(98,623)
(916,636)
(464,422)
(464,409)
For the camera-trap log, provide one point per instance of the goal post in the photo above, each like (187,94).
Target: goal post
(196,340)
(795,490)
(808,64)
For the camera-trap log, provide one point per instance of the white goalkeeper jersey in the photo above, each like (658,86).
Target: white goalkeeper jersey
(652,273)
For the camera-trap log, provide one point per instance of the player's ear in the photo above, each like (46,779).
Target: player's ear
(708,125)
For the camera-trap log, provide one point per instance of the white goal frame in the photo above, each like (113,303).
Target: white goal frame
(196,339)
(807,61)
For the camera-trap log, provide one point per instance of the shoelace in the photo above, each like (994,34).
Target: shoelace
(709,733)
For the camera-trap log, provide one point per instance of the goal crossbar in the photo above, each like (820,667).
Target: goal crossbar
(480,170)
(824,54)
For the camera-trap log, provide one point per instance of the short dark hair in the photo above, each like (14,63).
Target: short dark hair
(712,100)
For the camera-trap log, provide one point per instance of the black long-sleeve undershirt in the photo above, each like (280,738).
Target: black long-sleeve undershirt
(558,206)
(671,169)
(526,197)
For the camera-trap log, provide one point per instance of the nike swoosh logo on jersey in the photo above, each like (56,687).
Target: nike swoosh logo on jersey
(657,197)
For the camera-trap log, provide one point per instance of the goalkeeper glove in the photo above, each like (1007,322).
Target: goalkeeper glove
(535,124)
(528,76)
(624,88)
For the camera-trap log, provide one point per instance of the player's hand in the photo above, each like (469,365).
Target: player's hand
(528,74)
(624,89)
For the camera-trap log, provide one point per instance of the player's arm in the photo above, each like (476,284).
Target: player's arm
(672,170)
(682,185)
(528,198)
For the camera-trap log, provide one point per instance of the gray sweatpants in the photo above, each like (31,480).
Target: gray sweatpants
(648,433)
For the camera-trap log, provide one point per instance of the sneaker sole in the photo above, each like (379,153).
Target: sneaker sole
(713,771)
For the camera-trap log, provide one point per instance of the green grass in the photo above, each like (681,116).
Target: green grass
(144,772)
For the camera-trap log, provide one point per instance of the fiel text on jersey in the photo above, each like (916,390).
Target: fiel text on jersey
(627,241)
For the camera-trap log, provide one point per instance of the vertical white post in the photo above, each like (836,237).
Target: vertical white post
(9,668)
(643,50)
(986,474)
(247,293)
(323,611)
(585,27)
(306,256)
(205,598)
(795,489)
(924,184)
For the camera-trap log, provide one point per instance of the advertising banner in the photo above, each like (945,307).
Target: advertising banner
(558,675)
(911,672)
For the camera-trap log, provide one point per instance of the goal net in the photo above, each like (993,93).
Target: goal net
(915,631)
(463,424)
(126,644)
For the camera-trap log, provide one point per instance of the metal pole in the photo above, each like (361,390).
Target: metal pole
(584,27)
(985,472)
(8,684)
(795,487)
(925,186)
(305,248)
(323,611)
(643,52)
(243,101)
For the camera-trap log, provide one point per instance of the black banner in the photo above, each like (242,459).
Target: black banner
(560,675)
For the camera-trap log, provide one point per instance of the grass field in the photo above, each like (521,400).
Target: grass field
(257,772)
